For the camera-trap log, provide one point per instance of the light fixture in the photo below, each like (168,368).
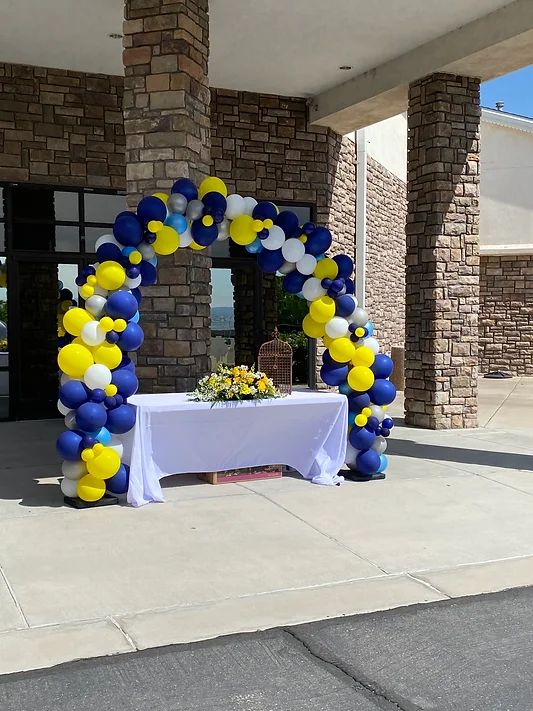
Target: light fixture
(345,67)
(114,35)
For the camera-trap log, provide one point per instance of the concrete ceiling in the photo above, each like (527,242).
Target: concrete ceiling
(291,47)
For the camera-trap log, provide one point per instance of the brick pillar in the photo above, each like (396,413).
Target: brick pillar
(442,277)
(166,122)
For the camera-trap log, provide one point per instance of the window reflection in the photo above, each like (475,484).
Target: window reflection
(222,319)
(103,208)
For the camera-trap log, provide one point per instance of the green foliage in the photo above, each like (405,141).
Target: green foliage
(291,309)
(3,311)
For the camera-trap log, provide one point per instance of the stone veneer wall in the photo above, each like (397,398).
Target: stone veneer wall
(386,212)
(61,127)
(506,314)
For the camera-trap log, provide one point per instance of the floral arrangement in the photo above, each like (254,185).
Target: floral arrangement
(238,383)
(3,345)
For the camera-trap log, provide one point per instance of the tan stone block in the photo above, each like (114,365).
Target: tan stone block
(167,99)
(136,55)
(177,349)
(158,82)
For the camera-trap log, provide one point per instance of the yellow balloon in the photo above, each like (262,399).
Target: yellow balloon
(75,319)
(161,196)
(74,360)
(241,230)
(360,378)
(322,309)
(105,464)
(342,350)
(326,269)
(312,328)
(108,354)
(90,488)
(212,185)
(363,356)
(361,420)
(167,241)
(327,340)
(78,341)
(110,275)
(86,291)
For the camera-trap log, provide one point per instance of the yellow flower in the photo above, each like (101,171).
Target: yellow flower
(261,386)
(245,390)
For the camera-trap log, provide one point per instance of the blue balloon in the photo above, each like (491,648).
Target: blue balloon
(255,247)
(388,423)
(351,419)
(382,392)
(358,401)
(344,306)
(361,438)
(131,338)
(202,234)
(369,327)
(334,376)
(73,394)
(97,395)
(350,286)
(289,223)
(135,318)
(373,423)
(118,484)
(383,463)
(319,241)
(382,367)
(148,274)
(69,445)
(110,402)
(265,211)
(368,462)
(127,230)
(91,417)
(121,304)
(103,436)
(270,260)
(187,188)
(307,228)
(345,264)
(345,389)
(121,419)
(137,294)
(151,208)
(126,363)
(177,222)
(215,204)
(294,281)
(126,382)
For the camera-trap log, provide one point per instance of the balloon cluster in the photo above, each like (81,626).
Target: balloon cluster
(65,301)
(98,377)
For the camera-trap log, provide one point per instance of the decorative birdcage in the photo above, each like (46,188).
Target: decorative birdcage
(275,359)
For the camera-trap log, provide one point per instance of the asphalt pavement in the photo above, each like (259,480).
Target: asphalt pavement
(471,654)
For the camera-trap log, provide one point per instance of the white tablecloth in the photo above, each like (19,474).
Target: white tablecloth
(172,435)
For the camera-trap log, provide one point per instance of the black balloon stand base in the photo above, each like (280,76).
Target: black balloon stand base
(355,476)
(77,503)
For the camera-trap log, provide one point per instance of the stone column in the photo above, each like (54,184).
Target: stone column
(442,264)
(166,122)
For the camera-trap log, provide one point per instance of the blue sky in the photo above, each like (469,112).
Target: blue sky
(515,89)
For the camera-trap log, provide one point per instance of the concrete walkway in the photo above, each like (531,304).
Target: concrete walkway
(454,517)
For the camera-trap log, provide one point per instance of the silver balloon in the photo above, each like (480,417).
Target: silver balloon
(70,420)
(147,251)
(378,412)
(359,317)
(195,210)
(380,445)
(177,203)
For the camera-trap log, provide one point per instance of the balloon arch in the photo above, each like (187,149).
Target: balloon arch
(98,377)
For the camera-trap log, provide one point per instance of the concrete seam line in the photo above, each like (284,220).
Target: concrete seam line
(428,585)
(361,683)
(134,647)
(3,576)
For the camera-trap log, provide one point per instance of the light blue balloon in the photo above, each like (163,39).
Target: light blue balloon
(103,436)
(153,261)
(345,389)
(320,257)
(300,295)
(370,328)
(135,318)
(255,247)
(351,419)
(127,251)
(177,222)
(383,463)
(60,285)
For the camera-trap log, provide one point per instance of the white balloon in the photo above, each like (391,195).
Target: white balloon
(235,206)
(186,237)
(293,250)
(359,317)
(69,487)
(117,445)
(147,251)
(351,454)
(92,334)
(249,205)
(132,283)
(223,230)
(275,239)
(73,470)
(380,445)
(287,268)
(312,289)
(378,412)
(63,409)
(95,305)
(106,239)
(372,344)
(97,376)
(307,264)
(337,327)
(65,378)
(70,420)
(99,291)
